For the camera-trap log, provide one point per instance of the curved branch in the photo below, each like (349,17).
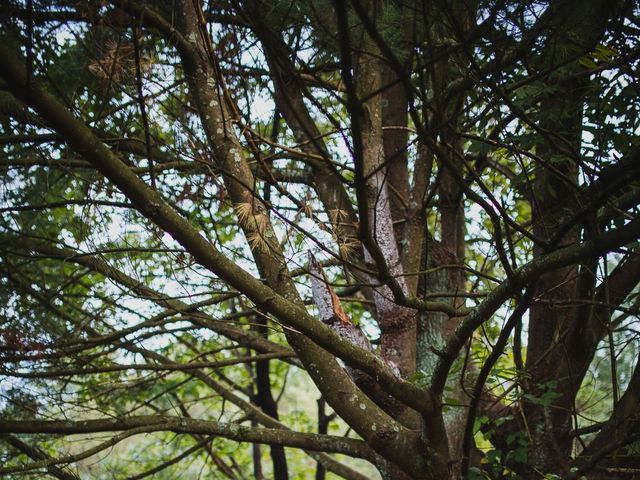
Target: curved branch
(521,278)
(94,263)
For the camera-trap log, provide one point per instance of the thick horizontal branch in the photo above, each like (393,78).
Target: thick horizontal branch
(287,438)
(170,367)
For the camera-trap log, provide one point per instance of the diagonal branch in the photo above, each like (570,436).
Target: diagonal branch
(36,454)
(151,205)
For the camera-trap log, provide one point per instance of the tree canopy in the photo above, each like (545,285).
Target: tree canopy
(343,239)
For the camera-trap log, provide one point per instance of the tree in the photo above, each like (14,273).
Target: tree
(426,210)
